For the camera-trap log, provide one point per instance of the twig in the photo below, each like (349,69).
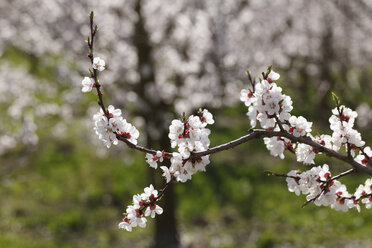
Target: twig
(345,173)
(258,133)
(94,72)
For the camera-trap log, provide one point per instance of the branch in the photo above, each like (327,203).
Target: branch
(94,72)
(345,173)
(258,133)
(253,135)
(141,148)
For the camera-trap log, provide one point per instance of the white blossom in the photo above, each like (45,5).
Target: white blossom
(305,154)
(153,210)
(273,76)
(293,182)
(107,129)
(166,173)
(88,84)
(175,132)
(206,118)
(299,126)
(276,146)
(98,64)
(152,159)
(266,102)
(342,126)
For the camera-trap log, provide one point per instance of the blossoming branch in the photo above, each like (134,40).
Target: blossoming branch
(281,131)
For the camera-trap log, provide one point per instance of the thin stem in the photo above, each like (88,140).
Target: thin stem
(94,72)
(258,133)
(279,123)
(141,148)
(345,173)
(281,175)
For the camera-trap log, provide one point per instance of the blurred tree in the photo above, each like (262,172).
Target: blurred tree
(166,57)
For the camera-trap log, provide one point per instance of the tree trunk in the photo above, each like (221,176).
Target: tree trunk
(166,235)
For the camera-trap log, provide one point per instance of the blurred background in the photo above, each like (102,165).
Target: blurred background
(61,187)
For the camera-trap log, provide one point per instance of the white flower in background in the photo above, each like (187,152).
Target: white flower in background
(98,64)
(88,84)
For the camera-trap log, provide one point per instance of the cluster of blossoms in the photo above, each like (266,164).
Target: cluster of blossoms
(266,102)
(364,156)
(189,136)
(306,153)
(341,123)
(152,160)
(143,205)
(111,124)
(319,187)
(364,192)
(271,108)
(88,82)
(268,105)
(108,127)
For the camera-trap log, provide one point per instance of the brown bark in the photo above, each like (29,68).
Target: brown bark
(166,235)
